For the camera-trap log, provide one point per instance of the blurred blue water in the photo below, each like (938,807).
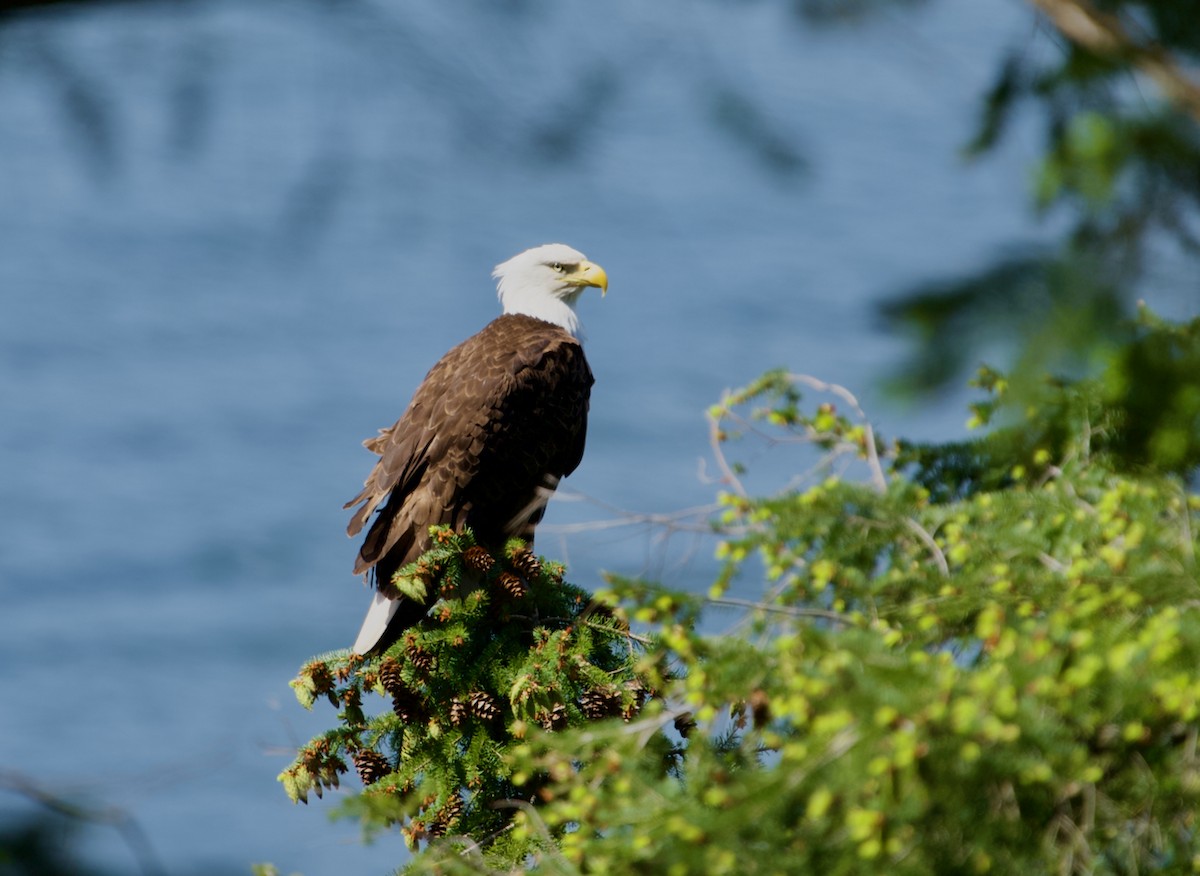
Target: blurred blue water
(234,236)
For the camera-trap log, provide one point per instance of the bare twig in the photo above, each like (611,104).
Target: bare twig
(878,476)
(644,729)
(681,520)
(928,541)
(714,440)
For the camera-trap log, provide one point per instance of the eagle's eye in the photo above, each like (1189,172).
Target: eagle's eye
(557,267)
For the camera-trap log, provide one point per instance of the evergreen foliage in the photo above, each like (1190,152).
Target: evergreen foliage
(428,723)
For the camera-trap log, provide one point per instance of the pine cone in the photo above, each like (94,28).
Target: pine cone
(599,702)
(407,705)
(512,585)
(483,706)
(414,832)
(320,676)
(389,675)
(458,712)
(371,765)
(419,657)
(478,559)
(555,718)
(526,563)
(451,811)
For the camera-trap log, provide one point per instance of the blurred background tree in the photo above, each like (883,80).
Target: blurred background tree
(1119,100)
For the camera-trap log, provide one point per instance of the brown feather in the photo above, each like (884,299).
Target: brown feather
(488,433)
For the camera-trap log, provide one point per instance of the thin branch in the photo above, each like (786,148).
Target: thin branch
(1104,34)
(674,520)
(645,728)
(629,634)
(790,610)
(714,440)
(878,476)
(928,541)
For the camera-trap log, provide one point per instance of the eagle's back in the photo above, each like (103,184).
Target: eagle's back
(488,433)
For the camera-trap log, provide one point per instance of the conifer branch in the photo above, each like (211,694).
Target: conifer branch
(789,610)
(460,689)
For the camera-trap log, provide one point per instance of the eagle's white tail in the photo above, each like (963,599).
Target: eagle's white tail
(382,610)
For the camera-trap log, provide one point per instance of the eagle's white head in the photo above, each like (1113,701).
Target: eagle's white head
(546,281)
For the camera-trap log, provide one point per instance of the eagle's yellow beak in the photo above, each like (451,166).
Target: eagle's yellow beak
(591,274)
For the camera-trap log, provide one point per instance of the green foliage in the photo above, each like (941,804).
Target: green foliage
(1142,410)
(1153,387)
(978,656)
(1000,674)
(1065,307)
(508,649)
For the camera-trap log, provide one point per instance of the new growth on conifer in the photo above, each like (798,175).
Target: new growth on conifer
(506,650)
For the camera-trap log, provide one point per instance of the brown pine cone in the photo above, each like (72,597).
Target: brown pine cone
(408,706)
(525,562)
(512,584)
(458,712)
(483,706)
(320,676)
(419,657)
(451,811)
(371,765)
(555,718)
(600,702)
(479,559)
(389,675)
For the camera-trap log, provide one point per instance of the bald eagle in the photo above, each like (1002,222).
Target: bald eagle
(487,436)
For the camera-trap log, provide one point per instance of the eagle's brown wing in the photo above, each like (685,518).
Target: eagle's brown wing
(487,435)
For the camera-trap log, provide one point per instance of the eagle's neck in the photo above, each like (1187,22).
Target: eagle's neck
(539,305)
